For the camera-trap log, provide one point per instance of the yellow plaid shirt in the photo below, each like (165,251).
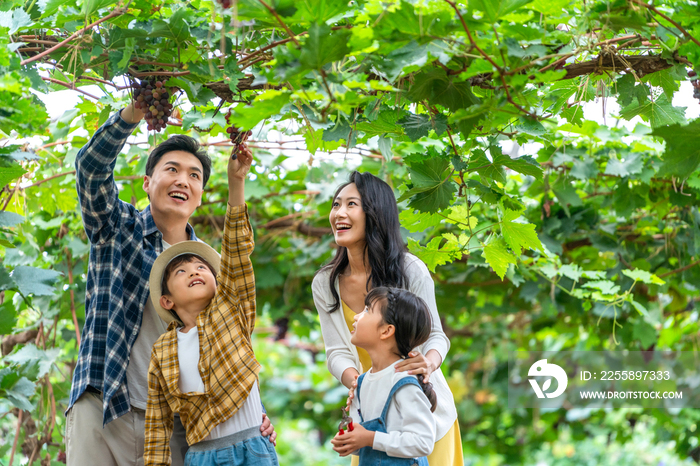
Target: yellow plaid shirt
(226,361)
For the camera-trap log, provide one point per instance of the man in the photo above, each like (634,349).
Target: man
(106,411)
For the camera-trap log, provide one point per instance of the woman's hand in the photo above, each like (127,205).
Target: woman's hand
(349,442)
(268,430)
(416,364)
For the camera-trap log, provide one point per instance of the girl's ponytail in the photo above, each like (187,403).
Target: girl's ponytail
(429,392)
(412,323)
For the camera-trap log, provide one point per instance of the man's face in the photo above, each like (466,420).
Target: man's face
(176,185)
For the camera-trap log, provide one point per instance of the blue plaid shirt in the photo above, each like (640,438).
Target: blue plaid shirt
(124,243)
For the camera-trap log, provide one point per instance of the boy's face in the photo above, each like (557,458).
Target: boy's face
(176,185)
(190,284)
(368,326)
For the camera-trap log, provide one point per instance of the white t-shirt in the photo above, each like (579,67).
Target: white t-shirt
(152,327)
(409,423)
(249,415)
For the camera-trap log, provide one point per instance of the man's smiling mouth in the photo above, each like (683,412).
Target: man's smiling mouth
(179,195)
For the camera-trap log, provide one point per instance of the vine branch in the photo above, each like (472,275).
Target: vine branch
(282,23)
(116,12)
(680,28)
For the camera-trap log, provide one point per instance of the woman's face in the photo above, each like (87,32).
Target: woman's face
(347,217)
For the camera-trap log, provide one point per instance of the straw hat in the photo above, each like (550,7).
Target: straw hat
(198,248)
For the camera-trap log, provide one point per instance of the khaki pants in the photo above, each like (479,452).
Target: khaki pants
(119,443)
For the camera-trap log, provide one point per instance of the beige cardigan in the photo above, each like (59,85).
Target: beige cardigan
(341,354)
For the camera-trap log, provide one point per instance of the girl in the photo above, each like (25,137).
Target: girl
(394,409)
(371,253)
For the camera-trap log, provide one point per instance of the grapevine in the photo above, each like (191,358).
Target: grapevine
(154,100)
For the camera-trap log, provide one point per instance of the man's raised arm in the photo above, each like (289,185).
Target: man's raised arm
(94,165)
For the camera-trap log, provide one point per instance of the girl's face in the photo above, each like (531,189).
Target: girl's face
(347,217)
(367,326)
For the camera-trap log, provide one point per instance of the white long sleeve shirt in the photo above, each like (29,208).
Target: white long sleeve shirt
(341,354)
(409,423)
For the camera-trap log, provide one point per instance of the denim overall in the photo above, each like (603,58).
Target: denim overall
(370,457)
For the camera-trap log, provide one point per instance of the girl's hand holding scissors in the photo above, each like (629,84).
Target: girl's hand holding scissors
(349,442)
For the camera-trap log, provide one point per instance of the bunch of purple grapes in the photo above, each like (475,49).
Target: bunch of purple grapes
(695,82)
(237,136)
(153,99)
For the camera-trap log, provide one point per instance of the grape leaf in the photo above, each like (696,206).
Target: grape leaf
(431,253)
(584,169)
(630,165)
(498,257)
(30,354)
(659,112)
(643,276)
(525,165)
(494,9)
(175,28)
(385,145)
(415,126)
(435,85)
(385,123)
(479,163)
(264,106)
(433,186)
(566,195)
(8,317)
(9,219)
(14,20)
(519,235)
(35,281)
(321,46)
(572,271)
(20,392)
(682,155)
(10,173)
(667,79)
(644,333)
(341,130)
(625,89)
(604,286)
(415,221)
(459,215)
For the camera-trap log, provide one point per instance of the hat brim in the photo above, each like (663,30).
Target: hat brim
(197,248)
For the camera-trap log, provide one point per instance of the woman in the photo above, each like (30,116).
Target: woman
(371,253)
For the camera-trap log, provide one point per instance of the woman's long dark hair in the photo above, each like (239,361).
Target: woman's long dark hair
(412,323)
(384,247)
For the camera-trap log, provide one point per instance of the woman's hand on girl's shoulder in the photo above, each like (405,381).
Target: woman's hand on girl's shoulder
(345,444)
(416,364)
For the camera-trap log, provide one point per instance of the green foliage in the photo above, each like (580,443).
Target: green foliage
(589,241)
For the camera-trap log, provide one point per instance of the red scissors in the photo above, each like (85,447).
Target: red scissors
(345,423)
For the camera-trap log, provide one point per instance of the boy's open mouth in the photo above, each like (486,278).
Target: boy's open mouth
(196,282)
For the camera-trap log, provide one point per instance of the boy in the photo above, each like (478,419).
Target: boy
(203,367)
(107,408)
